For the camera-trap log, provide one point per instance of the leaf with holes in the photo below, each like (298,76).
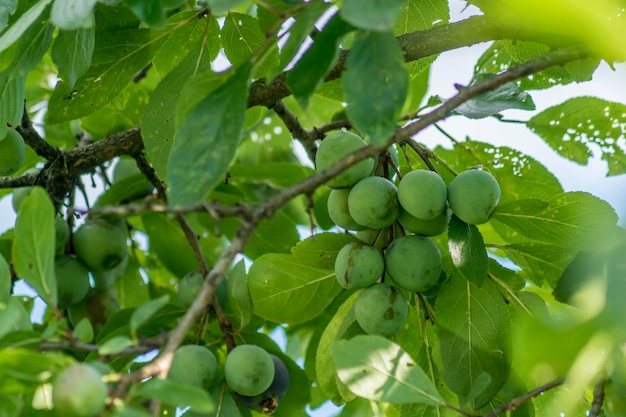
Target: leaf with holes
(572,126)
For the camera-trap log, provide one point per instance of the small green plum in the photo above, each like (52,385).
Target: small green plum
(72,279)
(194,365)
(373,202)
(333,148)
(249,370)
(433,227)
(423,194)
(78,391)
(413,262)
(381,310)
(101,244)
(358,265)
(338,210)
(474,196)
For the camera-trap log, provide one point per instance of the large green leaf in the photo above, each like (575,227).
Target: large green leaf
(33,45)
(175,393)
(573,220)
(17,29)
(467,250)
(309,72)
(372,14)
(472,324)
(377,369)
(158,127)
(541,263)
(241,39)
(34,244)
(284,290)
(117,57)
(72,14)
(572,126)
(375,85)
(207,140)
(72,51)
(12,96)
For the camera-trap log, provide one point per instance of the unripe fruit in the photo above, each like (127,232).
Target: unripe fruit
(194,365)
(72,280)
(423,194)
(19,194)
(432,227)
(101,244)
(79,391)
(374,237)
(373,202)
(12,153)
(358,266)
(127,168)
(189,287)
(338,210)
(413,263)
(381,310)
(333,148)
(474,196)
(62,234)
(267,401)
(249,370)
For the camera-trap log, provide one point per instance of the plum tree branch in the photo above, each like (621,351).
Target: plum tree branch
(516,402)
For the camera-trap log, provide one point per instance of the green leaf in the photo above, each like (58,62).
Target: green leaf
(5,281)
(150,11)
(342,325)
(239,302)
(220,6)
(284,290)
(83,331)
(175,393)
(572,126)
(375,85)
(304,24)
(320,251)
(241,39)
(145,311)
(467,250)
(541,263)
(115,345)
(472,324)
(73,14)
(71,52)
(13,317)
(379,370)
(158,127)
(372,14)
(169,243)
(12,96)
(7,8)
(17,29)
(34,244)
(207,141)
(117,57)
(505,97)
(33,45)
(275,174)
(573,220)
(308,74)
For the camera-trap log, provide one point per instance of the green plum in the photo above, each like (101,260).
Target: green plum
(78,391)
(101,244)
(194,365)
(333,148)
(413,263)
(189,287)
(433,227)
(374,237)
(474,196)
(358,265)
(381,310)
(12,153)
(373,202)
(423,194)
(19,194)
(72,280)
(62,234)
(268,400)
(249,370)
(338,210)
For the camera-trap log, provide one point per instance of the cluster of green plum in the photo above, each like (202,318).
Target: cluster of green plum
(98,249)
(394,223)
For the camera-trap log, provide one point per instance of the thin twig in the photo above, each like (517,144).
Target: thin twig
(516,402)
(598,399)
